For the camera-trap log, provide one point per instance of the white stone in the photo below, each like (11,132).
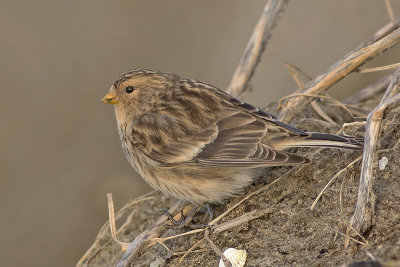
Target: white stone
(237,257)
(382,163)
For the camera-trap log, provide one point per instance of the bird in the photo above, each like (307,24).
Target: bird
(195,142)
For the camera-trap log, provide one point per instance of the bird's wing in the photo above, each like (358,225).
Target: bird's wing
(239,143)
(168,140)
(233,139)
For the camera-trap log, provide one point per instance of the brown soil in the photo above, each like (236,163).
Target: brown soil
(290,233)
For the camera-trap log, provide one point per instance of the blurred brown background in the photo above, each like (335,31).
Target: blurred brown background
(59,151)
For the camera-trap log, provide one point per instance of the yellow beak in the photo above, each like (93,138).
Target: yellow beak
(110,99)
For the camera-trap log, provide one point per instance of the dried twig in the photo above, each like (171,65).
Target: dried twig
(294,72)
(147,237)
(349,237)
(389,9)
(321,112)
(255,47)
(252,215)
(372,132)
(350,62)
(191,249)
(213,222)
(380,68)
(370,90)
(111,217)
(96,247)
(216,249)
(316,96)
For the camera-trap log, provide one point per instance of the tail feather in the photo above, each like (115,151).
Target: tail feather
(313,139)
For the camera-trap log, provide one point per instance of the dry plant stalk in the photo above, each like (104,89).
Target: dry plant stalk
(295,73)
(376,44)
(372,133)
(111,216)
(389,9)
(370,90)
(227,263)
(96,247)
(145,239)
(255,47)
(380,68)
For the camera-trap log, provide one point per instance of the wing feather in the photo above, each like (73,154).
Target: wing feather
(233,139)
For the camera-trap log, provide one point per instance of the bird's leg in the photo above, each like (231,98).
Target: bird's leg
(185,221)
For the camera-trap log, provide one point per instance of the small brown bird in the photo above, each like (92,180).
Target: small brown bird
(195,142)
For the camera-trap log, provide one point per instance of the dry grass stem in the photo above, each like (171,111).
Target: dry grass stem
(333,179)
(252,215)
(294,72)
(166,247)
(191,232)
(381,68)
(349,237)
(370,90)
(146,238)
(134,202)
(396,146)
(315,96)
(372,133)
(389,9)
(191,249)
(317,108)
(340,197)
(216,249)
(213,222)
(111,218)
(218,228)
(370,255)
(184,253)
(95,248)
(393,88)
(255,47)
(350,124)
(339,70)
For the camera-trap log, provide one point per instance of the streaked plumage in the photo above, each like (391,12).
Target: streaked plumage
(195,142)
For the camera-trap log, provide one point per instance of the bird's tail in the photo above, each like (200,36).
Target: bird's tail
(320,140)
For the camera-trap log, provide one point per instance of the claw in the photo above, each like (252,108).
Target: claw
(185,221)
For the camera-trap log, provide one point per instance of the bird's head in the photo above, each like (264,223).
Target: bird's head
(140,89)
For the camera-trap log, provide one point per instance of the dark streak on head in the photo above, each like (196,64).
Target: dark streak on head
(140,72)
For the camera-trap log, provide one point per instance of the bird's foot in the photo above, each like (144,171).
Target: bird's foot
(184,221)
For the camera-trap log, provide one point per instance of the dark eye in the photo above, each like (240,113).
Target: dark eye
(129,89)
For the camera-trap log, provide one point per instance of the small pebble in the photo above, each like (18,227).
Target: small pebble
(382,163)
